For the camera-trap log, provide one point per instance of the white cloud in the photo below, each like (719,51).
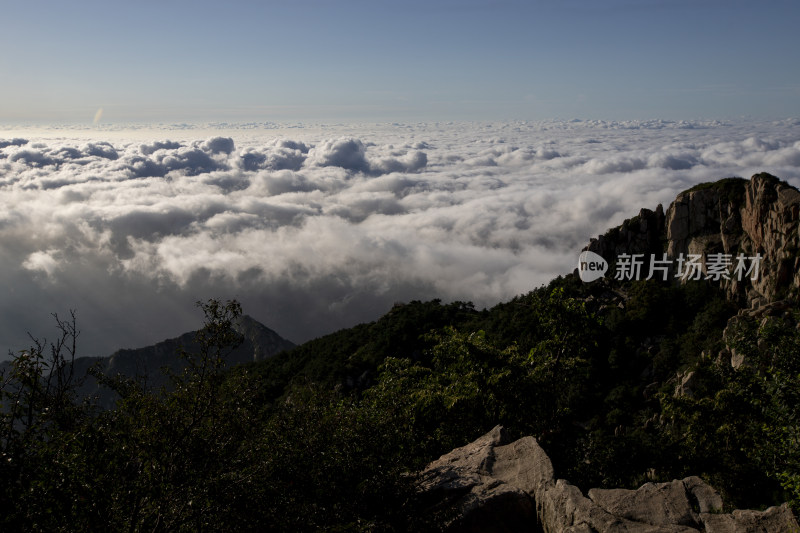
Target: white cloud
(320,227)
(42,262)
(345,152)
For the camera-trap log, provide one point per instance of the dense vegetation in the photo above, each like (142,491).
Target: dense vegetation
(328,435)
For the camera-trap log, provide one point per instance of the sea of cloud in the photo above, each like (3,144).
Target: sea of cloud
(318,227)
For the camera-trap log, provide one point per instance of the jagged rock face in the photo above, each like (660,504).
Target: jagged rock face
(643,234)
(755,217)
(732,217)
(770,220)
(703,222)
(760,216)
(491,485)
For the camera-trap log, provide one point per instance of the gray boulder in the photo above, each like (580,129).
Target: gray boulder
(492,485)
(468,496)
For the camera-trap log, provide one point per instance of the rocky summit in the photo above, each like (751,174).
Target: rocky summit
(731,217)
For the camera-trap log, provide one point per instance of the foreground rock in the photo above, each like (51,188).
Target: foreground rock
(492,485)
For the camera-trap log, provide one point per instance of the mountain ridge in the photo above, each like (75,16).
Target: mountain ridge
(153,363)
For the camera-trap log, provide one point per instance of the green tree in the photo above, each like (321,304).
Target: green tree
(159,461)
(464,384)
(560,365)
(177,456)
(37,408)
(740,427)
(332,462)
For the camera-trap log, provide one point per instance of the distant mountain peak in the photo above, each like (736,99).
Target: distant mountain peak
(258,343)
(264,341)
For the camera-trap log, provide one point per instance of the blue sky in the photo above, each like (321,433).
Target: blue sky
(311,60)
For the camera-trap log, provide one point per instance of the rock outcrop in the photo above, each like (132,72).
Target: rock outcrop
(723,220)
(733,216)
(642,234)
(492,485)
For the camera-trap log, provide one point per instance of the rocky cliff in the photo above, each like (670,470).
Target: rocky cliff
(492,485)
(731,217)
(727,219)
